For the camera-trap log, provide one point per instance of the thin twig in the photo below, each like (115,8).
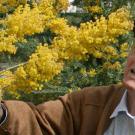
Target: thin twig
(22,64)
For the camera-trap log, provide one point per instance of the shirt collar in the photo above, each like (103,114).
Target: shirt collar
(121,107)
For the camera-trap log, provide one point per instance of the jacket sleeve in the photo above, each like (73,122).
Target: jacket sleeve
(60,117)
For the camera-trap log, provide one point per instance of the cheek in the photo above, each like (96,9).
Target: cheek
(128,67)
(130,62)
(126,72)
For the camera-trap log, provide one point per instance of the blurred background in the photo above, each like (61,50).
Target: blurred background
(52,47)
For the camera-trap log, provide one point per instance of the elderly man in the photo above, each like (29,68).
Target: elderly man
(106,110)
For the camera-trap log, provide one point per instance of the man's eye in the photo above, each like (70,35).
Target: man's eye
(132,71)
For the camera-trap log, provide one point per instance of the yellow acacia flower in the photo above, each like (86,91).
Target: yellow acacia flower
(92,73)
(60,6)
(43,65)
(7,42)
(110,53)
(69,43)
(114,66)
(94,9)
(124,50)
(124,47)
(69,90)
(104,31)
(83,71)
(120,24)
(98,54)
(124,54)
(22,22)
(7,5)
(6,79)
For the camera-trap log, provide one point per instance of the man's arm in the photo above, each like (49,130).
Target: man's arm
(60,117)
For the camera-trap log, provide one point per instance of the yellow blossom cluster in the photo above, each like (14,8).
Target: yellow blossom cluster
(46,7)
(92,72)
(26,21)
(6,79)
(92,37)
(113,66)
(92,6)
(83,71)
(42,66)
(70,43)
(67,44)
(60,5)
(124,50)
(6,42)
(120,24)
(7,5)
(98,54)
(58,26)
(55,5)
(111,54)
(104,31)
(94,9)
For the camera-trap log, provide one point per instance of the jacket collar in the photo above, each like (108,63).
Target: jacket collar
(108,110)
(121,107)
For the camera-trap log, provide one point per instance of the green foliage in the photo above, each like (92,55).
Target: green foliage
(24,50)
(35,98)
(76,73)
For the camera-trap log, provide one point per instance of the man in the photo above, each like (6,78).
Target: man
(106,110)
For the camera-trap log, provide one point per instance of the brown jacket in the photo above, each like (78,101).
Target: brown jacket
(85,112)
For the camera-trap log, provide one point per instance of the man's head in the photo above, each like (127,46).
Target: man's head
(129,72)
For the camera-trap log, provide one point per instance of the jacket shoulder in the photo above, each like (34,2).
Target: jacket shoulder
(100,95)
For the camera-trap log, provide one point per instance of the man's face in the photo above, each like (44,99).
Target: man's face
(129,72)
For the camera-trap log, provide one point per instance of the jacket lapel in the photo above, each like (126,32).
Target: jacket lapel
(108,110)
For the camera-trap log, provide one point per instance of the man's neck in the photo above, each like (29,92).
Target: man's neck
(131,102)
